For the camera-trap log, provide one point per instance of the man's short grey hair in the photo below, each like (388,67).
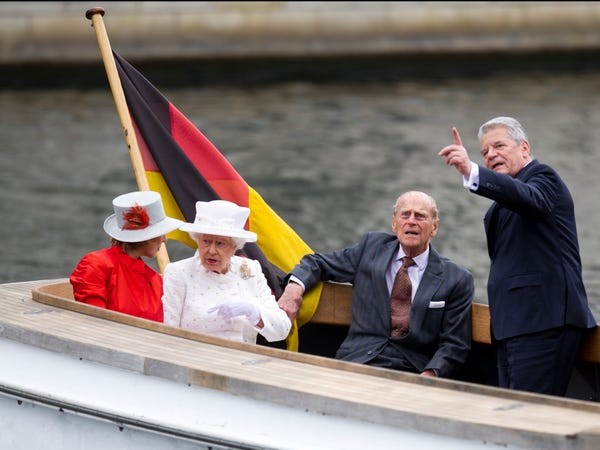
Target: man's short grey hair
(514,128)
(435,213)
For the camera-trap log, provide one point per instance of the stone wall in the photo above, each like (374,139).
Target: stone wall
(59,31)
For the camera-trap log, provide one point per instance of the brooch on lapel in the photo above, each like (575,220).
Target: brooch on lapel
(245,271)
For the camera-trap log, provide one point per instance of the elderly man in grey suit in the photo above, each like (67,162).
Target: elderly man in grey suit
(435,337)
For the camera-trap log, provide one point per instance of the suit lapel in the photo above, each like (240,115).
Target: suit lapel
(429,285)
(381,294)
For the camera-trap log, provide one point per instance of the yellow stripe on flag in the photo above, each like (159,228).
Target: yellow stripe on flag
(157,183)
(284,248)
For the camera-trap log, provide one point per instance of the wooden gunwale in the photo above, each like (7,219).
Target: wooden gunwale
(320,384)
(334,311)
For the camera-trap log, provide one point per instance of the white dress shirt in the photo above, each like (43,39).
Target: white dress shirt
(415,272)
(472,183)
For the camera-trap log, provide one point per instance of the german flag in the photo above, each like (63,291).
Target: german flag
(185,167)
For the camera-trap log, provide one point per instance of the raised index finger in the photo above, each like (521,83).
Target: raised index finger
(456,136)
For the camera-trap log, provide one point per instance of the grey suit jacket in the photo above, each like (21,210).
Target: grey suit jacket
(440,317)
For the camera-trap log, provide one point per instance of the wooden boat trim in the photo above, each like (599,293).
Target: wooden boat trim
(318,384)
(335,310)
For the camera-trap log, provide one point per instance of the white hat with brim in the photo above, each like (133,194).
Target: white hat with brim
(220,218)
(143,211)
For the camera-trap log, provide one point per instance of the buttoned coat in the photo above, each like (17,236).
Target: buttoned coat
(535,281)
(440,318)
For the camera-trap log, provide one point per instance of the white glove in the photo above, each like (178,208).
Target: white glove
(233,309)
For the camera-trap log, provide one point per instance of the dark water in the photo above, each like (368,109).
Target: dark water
(329,158)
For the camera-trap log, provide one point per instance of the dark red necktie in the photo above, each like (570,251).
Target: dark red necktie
(400,299)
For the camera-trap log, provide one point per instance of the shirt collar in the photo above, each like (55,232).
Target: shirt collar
(420,260)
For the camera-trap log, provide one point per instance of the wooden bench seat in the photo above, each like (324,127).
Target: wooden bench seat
(335,309)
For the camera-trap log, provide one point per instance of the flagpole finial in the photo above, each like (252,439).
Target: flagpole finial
(93,11)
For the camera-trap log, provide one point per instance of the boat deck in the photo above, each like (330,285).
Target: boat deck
(316,384)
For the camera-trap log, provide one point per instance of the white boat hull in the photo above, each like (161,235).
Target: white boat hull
(71,380)
(55,401)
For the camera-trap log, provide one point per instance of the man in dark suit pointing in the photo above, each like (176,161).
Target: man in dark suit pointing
(433,336)
(538,304)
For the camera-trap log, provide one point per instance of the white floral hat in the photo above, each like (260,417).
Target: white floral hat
(139,216)
(220,218)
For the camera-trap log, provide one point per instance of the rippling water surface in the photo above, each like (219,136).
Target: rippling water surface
(329,158)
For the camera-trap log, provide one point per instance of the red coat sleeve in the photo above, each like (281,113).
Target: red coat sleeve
(90,279)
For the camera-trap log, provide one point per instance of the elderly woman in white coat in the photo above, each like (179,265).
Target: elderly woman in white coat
(216,292)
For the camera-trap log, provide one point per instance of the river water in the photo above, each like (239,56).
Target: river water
(330,158)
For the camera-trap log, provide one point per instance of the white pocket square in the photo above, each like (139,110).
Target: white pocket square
(437,304)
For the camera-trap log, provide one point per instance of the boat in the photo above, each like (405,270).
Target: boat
(77,376)
(89,377)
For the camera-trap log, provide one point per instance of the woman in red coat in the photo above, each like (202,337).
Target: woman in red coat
(117,278)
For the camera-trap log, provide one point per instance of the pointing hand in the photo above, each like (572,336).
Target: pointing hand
(456,155)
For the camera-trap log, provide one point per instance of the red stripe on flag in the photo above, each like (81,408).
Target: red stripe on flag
(209,161)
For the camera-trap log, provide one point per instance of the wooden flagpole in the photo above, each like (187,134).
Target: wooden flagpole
(95,15)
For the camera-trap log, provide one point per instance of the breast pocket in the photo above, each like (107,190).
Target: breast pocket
(432,322)
(437,305)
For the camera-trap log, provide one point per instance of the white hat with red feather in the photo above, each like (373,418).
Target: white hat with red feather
(139,216)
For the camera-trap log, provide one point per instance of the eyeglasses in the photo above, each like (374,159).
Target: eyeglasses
(219,244)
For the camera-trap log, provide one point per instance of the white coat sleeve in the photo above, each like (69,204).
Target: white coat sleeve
(276,323)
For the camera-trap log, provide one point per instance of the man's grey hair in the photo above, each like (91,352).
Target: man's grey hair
(435,213)
(514,128)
